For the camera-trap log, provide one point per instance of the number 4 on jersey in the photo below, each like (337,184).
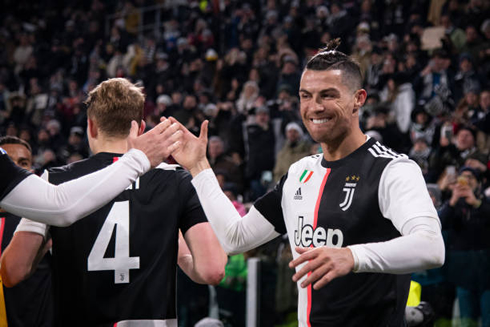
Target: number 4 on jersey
(122,262)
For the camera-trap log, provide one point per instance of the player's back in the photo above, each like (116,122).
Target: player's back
(119,263)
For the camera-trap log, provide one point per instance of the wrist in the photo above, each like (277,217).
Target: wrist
(199,167)
(477,204)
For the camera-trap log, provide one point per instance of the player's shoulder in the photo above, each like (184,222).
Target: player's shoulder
(75,168)
(379,151)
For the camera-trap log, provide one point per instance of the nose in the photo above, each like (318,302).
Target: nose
(317,103)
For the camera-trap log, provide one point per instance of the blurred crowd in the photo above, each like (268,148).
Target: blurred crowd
(426,66)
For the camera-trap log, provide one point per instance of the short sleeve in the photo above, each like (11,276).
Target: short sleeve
(192,213)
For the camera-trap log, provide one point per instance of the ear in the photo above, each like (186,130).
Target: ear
(142,127)
(92,129)
(359,99)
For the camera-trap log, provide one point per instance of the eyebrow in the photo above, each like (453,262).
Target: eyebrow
(330,89)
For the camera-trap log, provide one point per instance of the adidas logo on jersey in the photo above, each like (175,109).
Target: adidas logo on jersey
(297,195)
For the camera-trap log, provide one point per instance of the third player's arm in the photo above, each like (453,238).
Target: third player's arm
(27,247)
(201,256)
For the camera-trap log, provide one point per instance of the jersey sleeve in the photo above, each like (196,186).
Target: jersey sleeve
(236,234)
(269,206)
(64,204)
(403,194)
(12,175)
(192,211)
(404,199)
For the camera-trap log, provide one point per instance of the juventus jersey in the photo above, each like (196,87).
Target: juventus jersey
(336,204)
(11,174)
(117,267)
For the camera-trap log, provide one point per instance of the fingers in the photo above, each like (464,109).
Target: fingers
(161,127)
(301,250)
(327,278)
(316,274)
(170,130)
(306,254)
(174,146)
(311,266)
(203,135)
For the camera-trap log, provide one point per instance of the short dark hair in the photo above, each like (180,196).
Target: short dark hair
(330,59)
(14,140)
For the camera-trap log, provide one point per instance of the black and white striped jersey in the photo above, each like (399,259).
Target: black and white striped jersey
(343,203)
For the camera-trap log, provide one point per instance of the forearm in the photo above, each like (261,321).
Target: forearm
(66,203)
(422,248)
(236,234)
(186,262)
(20,258)
(200,244)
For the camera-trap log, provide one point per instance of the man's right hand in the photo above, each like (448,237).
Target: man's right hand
(192,153)
(158,143)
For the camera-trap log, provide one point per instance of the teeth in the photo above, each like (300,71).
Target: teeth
(320,121)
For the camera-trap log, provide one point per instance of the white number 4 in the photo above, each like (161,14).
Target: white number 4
(122,262)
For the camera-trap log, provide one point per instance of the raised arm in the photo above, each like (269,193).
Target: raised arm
(66,203)
(236,234)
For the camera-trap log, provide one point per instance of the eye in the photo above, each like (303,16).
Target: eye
(304,96)
(24,165)
(327,95)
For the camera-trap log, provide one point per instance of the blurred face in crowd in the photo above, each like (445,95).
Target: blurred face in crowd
(445,21)
(471,34)
(189,102)
(485,100)
(465,65)
(19,154)
(262,118)
(215,147)
(464,140)
(471,98)
(292,135)
(470,179)
(329,108)
(439,63)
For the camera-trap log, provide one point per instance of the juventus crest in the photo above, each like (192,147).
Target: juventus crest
(349,188)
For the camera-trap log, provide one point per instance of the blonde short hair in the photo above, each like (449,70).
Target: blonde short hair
(113,104)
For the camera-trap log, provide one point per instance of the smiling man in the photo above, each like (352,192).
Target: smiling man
(358,216)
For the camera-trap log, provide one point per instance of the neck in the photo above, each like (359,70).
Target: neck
(337,150)
(110,144)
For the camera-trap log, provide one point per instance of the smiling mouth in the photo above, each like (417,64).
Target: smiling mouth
(319,121)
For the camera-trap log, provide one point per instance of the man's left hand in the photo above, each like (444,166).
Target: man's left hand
(325,264)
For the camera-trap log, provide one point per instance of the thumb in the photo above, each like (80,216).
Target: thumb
(133,132)
(203,135)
